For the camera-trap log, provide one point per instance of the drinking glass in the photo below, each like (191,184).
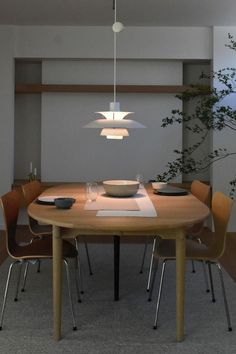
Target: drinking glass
(139,178)
(91,191)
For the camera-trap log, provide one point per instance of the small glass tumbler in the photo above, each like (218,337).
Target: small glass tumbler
(91,191)
(139,178)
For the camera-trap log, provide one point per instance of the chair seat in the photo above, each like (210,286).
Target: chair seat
(42,248)
(194,250)
(195,230)
(40,229)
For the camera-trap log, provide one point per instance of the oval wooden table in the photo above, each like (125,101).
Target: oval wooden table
(174,216)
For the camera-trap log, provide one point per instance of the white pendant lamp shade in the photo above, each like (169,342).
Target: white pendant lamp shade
(114,133)
(113,123)
(114,126)
(114,112)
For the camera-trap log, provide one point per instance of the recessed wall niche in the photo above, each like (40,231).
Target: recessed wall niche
(43,119)
(27,127)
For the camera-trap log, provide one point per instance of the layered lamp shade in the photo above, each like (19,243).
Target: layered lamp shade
(114,126)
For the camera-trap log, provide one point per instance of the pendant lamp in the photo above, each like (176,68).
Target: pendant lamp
(114,126)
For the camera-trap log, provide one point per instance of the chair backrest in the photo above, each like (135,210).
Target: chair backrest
(10,203)
(31,191)
(201,191)
(221,211)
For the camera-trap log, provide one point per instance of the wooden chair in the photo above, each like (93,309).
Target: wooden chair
(221,211)
(201,191)
(39,249)
(30,192)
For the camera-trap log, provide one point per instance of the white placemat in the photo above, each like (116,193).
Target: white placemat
(146,208)
(104,202)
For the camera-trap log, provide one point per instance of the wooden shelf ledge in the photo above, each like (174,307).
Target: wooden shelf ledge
(40,88)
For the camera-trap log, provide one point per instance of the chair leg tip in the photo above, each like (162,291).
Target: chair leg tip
(154,327)
(207,290)
(0,328)
(149,299)
(141,272)
(91,273)
(193,271)
(230,329)
(82,292)
(15,299)
(80,301)
(213,300)
(75,328)
(22,290)
(147,290)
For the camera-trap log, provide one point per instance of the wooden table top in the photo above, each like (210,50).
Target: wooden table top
(172,213)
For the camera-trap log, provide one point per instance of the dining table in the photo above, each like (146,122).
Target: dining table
(174,215)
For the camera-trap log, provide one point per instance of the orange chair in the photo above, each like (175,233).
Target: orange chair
(39,249)
(30,192)
(221,211)
(201,191)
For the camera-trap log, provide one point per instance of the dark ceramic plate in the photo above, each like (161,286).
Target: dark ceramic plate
(171,191)
(44,202)
(51,200)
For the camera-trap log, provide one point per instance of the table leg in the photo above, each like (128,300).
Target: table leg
(57,278)
(116,266)
(180,285)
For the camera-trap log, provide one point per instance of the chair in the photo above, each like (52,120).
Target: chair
(30,192)
(201,191)
(221,210)
(39,249)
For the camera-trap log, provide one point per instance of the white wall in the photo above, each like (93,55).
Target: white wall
(83,42)
(7,109)
(192,73)
(71,153)
(97,42)
(224,170)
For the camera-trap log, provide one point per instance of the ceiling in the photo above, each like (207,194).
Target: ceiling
(130,12)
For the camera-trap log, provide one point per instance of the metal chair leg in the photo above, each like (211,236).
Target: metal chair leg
(205,276)
(193,267)
(25,276)
(205,273)
(69,293)
(151,264)
(224,297)
(18,281)
(5,292)
(159,294)
(79,267)
(155,266)
(77,281)
(211,282)
(144,256)
(88,258)
(39,266)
